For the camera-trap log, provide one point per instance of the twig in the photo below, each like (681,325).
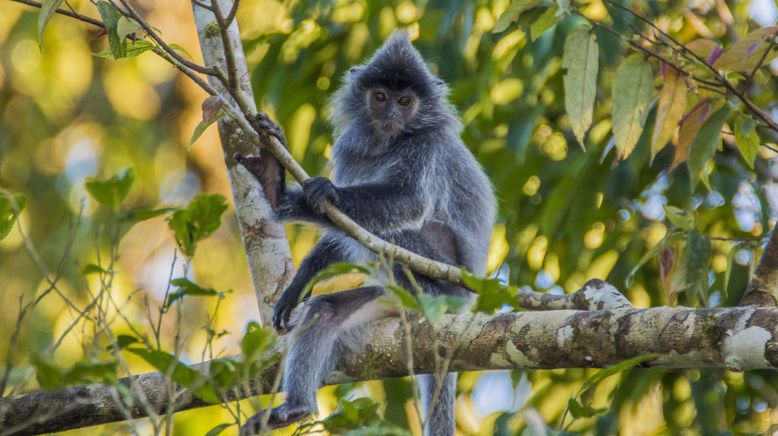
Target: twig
(71,14)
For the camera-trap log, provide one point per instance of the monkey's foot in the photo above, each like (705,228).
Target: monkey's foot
(282,416)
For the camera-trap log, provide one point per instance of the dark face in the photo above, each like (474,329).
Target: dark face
(391,111)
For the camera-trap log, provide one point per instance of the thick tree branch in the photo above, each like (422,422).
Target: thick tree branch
(737,338)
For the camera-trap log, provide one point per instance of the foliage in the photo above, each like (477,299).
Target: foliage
(530,78)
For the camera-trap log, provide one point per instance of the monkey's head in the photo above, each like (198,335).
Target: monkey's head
(393,93)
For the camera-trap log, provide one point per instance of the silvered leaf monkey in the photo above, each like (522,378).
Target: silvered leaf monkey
(401,171)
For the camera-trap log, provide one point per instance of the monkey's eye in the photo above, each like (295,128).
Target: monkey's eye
(380,96)
(404,101)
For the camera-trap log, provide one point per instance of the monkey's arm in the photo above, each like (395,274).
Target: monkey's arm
(375,206)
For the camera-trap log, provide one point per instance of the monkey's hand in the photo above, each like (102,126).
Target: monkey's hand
(318,190)
(284,307)
(263,124)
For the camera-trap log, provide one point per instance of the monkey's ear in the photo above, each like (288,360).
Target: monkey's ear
(354,70)
(440,83)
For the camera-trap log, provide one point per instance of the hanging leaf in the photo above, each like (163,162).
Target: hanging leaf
(211,113)
(48,8)
(10,208)
(697,263)
(200,218)
(632,89)
(745,54)
(672,103)
(512,13)
(580,81)
(256,341)
(113,191)
(544,22)
(185,287)
(578,410)
(680,218)
(126,27)
(110,17)
(134,48)
(690,125)
(704,145)
(747,139)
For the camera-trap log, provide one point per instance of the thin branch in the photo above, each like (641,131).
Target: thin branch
(233,12)
(71,14)
(164,45)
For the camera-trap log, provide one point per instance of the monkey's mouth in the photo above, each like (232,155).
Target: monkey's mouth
(390,127)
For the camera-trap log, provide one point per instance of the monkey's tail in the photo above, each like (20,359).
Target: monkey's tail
(439,422)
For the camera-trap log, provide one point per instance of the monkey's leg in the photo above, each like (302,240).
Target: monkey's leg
(324,323)
(327,251)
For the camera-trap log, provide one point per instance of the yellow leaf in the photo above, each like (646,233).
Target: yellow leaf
(580,81)
(340,282)
(672,103)
(632,90)
(690,124)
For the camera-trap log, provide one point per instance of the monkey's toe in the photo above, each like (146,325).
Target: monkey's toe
(287,414)
(281,416)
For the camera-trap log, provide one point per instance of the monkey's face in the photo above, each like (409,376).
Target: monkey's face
(391,111)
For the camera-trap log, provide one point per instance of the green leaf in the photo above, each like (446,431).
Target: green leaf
(650,254)
(703,147)
(632,89)
(133,48)
(333,270)
(198,131)
(10,208)
(492,295)
(177,47)
(615,369)
(745,54)
(544,22)
(407,300)
(48,374)
(126,26)
(433,306)
(200,218)
(48,8)
(352,415)
(223,372)
(579,410)
(91,268)
(256,341)
(697,263)
(110,17)
(512,13)
(92,372)
(181,374)
(218,429)
(124,341)
(580,81)
(747,139)
(113,191)
(680,218)
(186,287)
(143,213)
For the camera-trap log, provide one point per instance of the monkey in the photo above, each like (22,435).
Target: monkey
(401,171)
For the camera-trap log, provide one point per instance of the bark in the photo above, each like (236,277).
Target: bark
(736,338)
(264,239)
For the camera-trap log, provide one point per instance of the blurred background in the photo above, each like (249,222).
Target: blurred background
(565,215)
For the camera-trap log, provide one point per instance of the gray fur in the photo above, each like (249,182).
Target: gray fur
(420,188)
